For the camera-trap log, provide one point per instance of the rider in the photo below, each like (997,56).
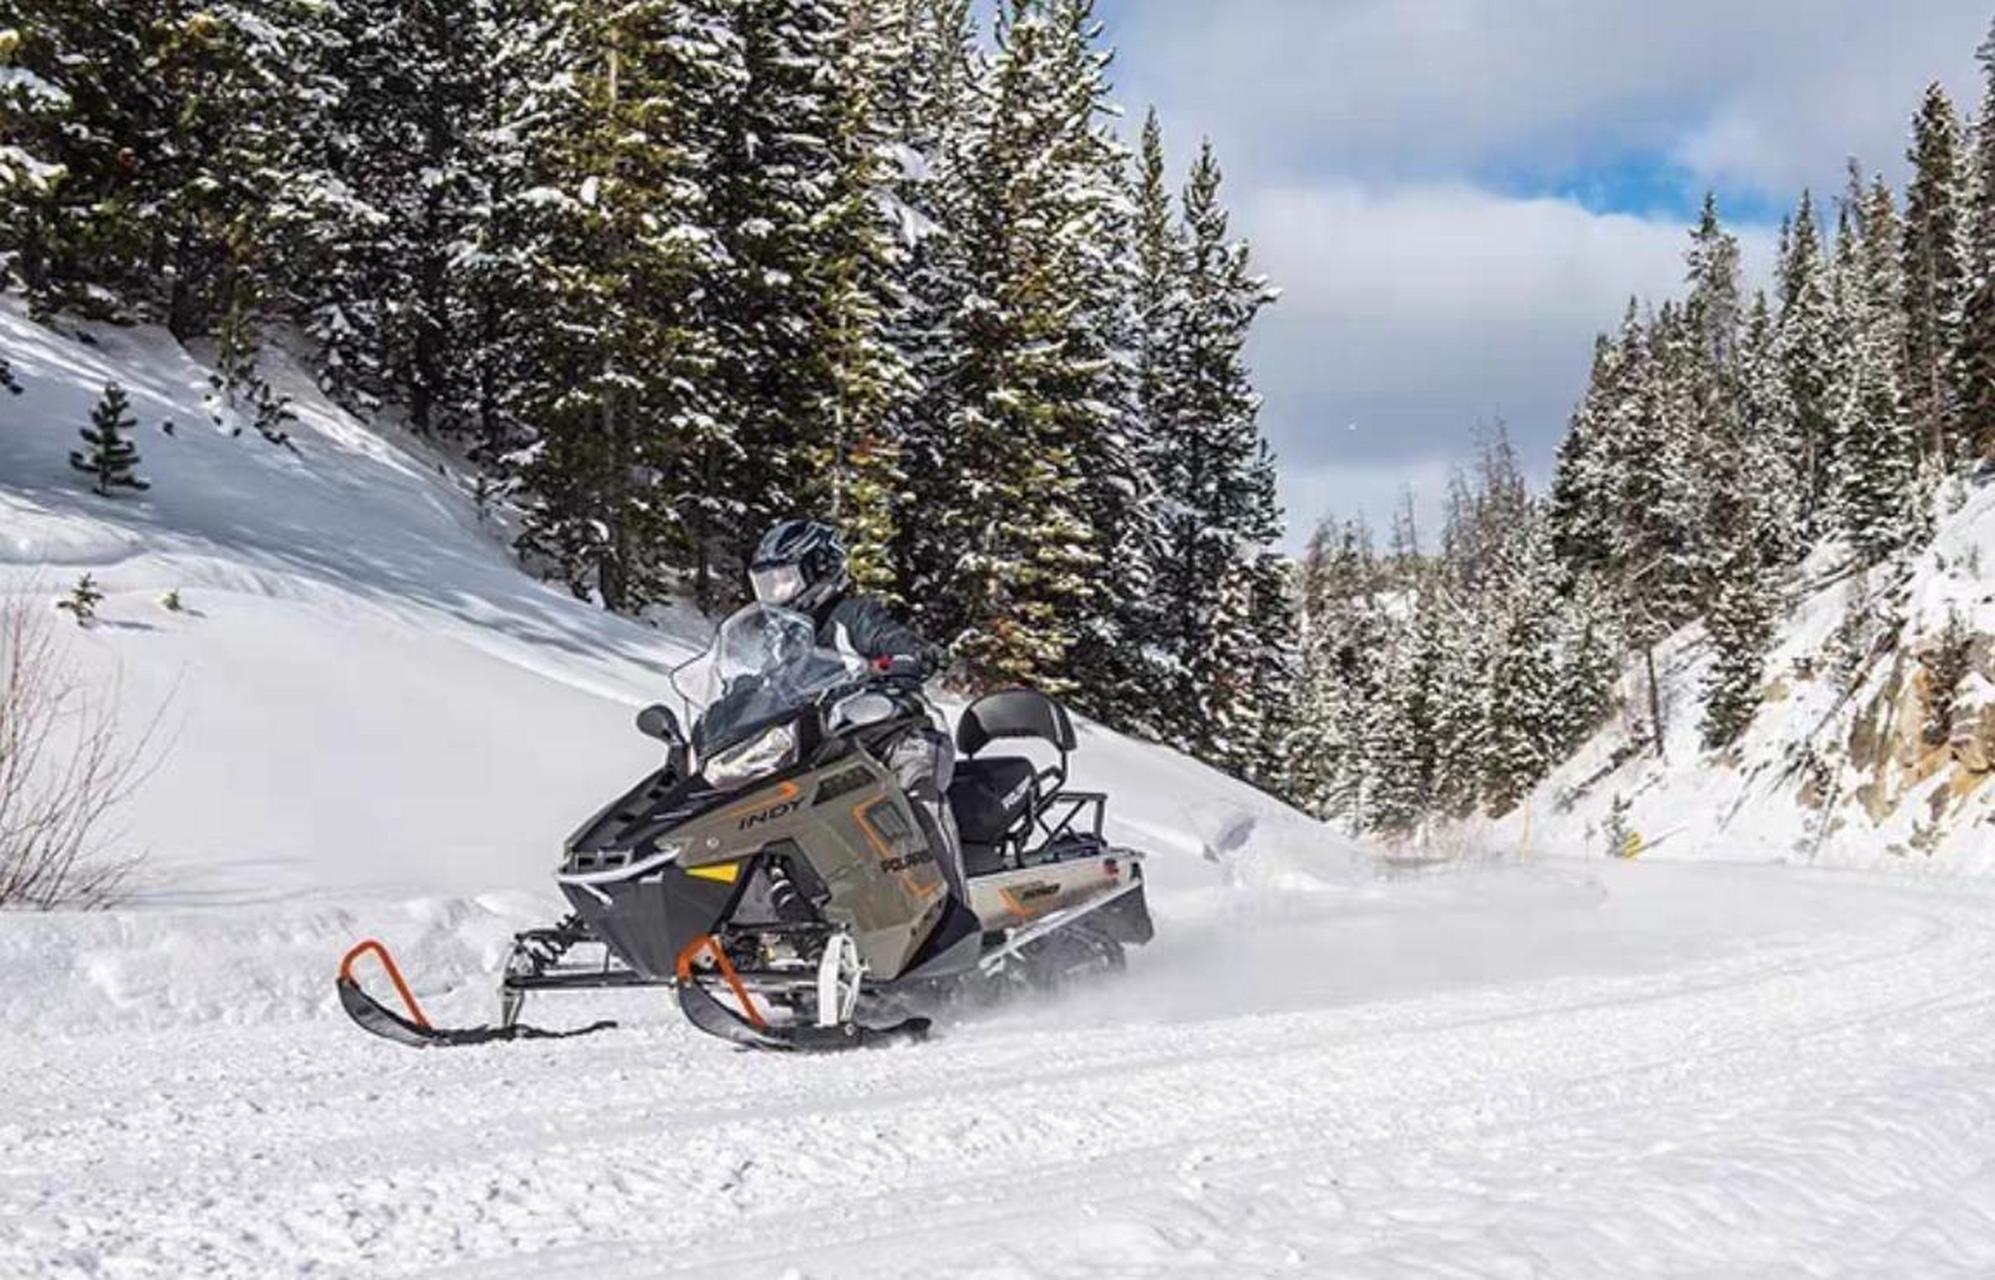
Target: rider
(801,565)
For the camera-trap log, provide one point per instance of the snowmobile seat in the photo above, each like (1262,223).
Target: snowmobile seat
(1015,713)
(1000,801)
(993,801)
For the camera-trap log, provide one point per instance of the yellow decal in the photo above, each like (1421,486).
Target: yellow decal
(725,872)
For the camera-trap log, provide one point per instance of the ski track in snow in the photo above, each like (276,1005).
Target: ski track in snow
(1806,1102)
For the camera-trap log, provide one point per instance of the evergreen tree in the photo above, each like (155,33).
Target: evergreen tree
(1974,368)
(1878,454)
(1525,724)
(1935,277)
(1589,660)
(111,460)
(1465,690)
(174,139)
(1024,384)
(1714,309)
(1401,741)
(1740,625)
(1111,664)
(774,192)
(860,259)
(32,114)
(1582,498)
(1216,477)
(1344,631)
(622,411)
(423,141)
(1808,341)
(1770,486)
(931,102)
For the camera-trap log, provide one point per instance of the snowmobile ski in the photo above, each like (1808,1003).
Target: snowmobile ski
(711,1016)
(415,1030)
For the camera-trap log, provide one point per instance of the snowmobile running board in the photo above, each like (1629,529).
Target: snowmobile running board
(415,1030)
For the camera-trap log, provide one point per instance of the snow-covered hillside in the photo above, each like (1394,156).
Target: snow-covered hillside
(1874,747)
(377,725)
(371,718)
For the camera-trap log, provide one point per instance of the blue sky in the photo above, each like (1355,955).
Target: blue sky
(1455,195)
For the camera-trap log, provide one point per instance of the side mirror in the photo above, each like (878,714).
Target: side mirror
(657,721)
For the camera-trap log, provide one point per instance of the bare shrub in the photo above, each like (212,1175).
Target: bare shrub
(64,774)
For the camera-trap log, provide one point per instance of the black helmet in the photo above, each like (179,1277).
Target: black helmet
(800,565)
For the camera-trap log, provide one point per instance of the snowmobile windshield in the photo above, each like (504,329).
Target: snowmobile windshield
(763,664)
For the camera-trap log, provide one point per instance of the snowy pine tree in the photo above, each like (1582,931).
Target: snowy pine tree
(1111,667)
(112,460)
(1974,362)
(1024,390)
(860,260)
(1582,502)
(1216,477)
(1934,274)
(1739,622)
(1344,632)
(1809,342)
(1879,452)
(1771,483)
(621,409)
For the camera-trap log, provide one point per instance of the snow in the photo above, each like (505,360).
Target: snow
(1326,1064)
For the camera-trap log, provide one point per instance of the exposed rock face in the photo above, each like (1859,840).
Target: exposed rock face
(1888,739)
(1971,733)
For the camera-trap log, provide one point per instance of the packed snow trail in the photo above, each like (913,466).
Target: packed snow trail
(1808,1095)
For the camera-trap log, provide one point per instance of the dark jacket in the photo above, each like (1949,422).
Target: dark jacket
(863,626)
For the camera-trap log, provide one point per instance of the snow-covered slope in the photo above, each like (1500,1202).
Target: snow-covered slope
(377,725)
(1874,748)
(371,718)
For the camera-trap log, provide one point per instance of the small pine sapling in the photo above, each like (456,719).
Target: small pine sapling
(1621,840)
(83,600)
(171,602)
(272,413)
(111,459)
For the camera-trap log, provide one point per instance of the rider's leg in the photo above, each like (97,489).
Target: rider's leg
(925,762)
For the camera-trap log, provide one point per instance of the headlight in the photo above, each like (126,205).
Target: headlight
(761,754)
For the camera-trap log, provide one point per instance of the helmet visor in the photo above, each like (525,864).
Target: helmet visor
(776,584)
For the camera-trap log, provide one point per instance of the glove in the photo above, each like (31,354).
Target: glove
(900,666)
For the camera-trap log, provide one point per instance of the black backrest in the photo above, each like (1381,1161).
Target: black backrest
(1015,713)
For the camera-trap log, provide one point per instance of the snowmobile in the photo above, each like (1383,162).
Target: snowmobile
(774,874)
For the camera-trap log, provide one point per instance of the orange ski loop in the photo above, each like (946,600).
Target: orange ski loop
(394,976)
(711,945)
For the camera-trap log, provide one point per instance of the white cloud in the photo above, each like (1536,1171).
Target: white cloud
(1413,317)
(1767,93)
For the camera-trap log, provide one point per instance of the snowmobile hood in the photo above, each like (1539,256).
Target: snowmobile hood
(630,825)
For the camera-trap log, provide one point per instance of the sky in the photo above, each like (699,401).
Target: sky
(1455,195)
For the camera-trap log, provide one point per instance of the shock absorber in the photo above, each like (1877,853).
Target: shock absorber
(788,903)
